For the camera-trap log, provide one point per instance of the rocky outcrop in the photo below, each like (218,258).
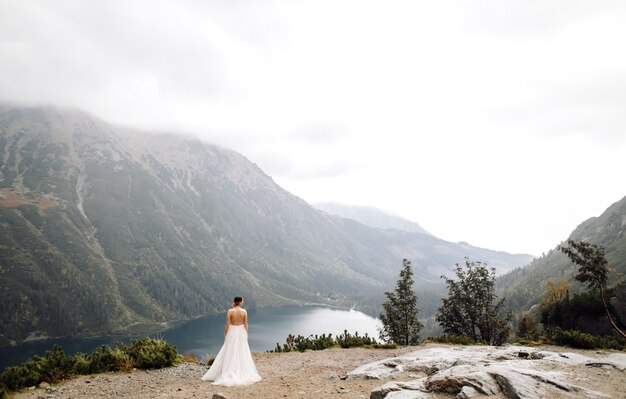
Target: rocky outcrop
(471,371)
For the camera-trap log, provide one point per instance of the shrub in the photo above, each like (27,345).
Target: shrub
(53,367)
(149,353)
(385,346)
(577,339)
(315,342)
(56,366)
(21,376)
(347,340)
(106,359)
(452,339)
(528,342)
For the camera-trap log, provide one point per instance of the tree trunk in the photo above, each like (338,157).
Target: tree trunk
(609,316)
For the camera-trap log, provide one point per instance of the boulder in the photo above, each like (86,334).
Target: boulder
(471,371)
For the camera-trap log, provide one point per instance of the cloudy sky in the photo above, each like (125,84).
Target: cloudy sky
(499,123)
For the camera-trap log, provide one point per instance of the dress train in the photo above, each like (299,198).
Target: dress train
(233,364)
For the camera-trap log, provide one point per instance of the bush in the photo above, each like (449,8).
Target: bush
(149,353)
(346,340)
(315,342)
(528,342)
(577,339)
(385,346)
(106,359)
(452,339)
(53,367)
(56,366)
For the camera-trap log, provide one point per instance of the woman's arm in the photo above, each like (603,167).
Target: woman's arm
(245,320)
(227,322)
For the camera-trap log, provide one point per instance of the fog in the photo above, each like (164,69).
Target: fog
(502,124)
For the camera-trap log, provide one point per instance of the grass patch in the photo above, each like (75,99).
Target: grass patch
(190,357)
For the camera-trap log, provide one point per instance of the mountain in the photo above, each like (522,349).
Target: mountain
(107,230)
(524,287)
(370,216)
(431,247)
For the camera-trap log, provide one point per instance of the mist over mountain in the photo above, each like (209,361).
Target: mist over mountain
(107,230)
(370,216)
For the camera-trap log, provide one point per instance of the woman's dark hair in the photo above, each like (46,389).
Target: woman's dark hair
(238,299)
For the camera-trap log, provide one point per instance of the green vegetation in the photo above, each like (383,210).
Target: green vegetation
(525,287)
(56,365)
(471,308)
(314,342)
(592,270)
(452,340)
(577,339)
(399,316)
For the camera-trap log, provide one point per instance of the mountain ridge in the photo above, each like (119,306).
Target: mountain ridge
(107,230)
(371,216)
(524,287)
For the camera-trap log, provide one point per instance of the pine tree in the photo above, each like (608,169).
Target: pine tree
(471,308)
(399,316)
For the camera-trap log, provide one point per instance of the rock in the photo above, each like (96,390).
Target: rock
(409,395)
(333,377)
(410,387)
(615,360)
(470,371)
(453,380)
(44,385)
(467,393)
(219,396)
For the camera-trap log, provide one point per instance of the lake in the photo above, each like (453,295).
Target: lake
(205,336)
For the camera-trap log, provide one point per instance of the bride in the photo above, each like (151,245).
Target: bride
(233,364)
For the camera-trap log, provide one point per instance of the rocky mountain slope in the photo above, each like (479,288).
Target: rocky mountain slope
(524,287)
(372,217)
(106,230)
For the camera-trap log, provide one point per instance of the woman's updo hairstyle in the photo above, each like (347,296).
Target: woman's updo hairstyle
(237,301)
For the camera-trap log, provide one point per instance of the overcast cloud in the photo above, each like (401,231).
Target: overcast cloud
(500,123)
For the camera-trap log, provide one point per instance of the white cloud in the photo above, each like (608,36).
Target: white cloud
(477,119)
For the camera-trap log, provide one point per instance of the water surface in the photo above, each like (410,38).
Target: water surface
(205,336)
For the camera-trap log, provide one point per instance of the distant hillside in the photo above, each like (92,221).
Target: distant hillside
(106,230)
(372,217)
(524,287)
(432,245)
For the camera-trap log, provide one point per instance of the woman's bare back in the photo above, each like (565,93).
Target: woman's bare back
(237,316)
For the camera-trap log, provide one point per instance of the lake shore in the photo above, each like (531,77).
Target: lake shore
(311,375)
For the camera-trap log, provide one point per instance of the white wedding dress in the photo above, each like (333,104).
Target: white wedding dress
(233,364)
